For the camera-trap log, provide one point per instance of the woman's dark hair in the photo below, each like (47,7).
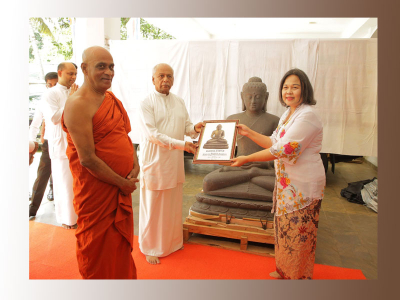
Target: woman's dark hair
(307,92)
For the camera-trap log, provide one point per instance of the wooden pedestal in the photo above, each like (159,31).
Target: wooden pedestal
(244,230)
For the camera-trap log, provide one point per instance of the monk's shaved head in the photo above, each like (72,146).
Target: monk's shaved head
(91,52)
(98,68)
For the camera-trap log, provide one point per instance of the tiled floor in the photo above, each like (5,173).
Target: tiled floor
(347,234)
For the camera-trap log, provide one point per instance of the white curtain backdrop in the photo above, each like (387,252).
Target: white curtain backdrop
(209,76)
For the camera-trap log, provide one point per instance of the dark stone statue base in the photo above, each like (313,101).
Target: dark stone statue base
(239,208)
(246,190)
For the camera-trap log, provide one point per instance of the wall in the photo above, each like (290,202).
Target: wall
(372,159)
(209,76)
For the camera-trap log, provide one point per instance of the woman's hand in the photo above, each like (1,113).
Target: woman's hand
(239,161)
(243,129)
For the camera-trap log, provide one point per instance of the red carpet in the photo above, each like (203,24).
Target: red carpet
(52,256)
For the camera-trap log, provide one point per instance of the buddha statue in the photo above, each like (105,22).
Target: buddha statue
(217,139)
(228,188)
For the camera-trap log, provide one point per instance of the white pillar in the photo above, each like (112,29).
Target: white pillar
(112,30)
(133,29)
(93,32)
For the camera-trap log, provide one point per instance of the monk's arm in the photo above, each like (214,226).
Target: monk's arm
(263,155)
(260,139)
(136,168)
(79,123)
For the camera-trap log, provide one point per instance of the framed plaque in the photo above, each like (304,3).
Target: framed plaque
(217,142)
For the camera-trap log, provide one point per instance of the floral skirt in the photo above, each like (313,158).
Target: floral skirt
(295,242)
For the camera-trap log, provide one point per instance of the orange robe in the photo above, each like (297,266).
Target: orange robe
(105,218)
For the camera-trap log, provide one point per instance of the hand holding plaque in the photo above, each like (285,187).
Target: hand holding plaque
(217,142)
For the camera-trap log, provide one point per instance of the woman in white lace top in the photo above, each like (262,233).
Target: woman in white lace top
(300,176)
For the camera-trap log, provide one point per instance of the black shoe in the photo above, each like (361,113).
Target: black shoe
(50,196)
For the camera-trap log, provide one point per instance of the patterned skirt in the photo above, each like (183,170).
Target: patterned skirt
(295,242)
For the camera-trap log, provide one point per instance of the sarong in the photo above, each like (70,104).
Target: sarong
(160,221)
(296,241)
(63,192)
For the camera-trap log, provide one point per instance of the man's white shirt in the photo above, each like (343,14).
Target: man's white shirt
(164,121)
(53,107)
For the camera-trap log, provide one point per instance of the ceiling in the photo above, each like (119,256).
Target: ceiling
(266,28)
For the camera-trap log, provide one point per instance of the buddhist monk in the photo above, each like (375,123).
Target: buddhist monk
(104,168)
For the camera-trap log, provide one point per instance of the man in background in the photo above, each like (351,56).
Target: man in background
(44,168)
(53,107)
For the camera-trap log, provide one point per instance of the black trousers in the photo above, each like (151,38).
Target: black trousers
(43,175)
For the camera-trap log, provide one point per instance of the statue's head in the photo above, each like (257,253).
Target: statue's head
(254,95)
(219,126)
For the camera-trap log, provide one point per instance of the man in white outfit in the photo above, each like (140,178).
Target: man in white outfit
(44,168)
(53,107)
(164,121)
